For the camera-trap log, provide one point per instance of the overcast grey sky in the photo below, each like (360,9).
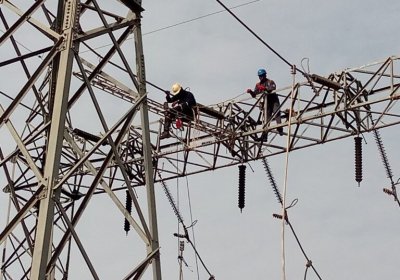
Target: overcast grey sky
(349,232)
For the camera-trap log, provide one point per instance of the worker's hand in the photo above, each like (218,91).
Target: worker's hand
(178,107)
(252,93)
(261,88)
(167,92)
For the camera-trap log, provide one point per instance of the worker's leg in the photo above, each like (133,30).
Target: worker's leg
(187,113)
(169,117)
(266,108)
(275,109)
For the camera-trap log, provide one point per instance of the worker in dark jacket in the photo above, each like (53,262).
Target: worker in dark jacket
(183,102)
(267,87)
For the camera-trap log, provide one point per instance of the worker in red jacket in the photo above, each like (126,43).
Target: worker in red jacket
(183,102)
(267,87)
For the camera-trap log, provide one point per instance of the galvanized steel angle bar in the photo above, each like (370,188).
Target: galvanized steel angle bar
(41,68)
(98,178)
(105,78)
(77,240)
(138,271)
(15,255)
(14,199)
(127,117)
(96,104)
(246,113)
(23,149)
(377,75)
(145,235)
(21,214)
(21,20)
(87,6)
(384,112)
(22,58)
(117,45)
(96,32)
(99,67)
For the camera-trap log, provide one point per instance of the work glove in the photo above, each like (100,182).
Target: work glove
(261,88)
(179,108)
(249,91)
(176,106)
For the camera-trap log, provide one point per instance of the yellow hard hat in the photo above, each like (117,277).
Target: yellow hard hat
(176,88)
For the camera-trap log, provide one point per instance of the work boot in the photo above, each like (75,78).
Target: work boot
(167,126)
(280,130)
(165,134)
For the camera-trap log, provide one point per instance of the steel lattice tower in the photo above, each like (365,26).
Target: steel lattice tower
(70,131)
(47,143)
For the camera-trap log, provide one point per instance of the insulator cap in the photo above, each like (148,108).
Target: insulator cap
(277,216)
(387,191)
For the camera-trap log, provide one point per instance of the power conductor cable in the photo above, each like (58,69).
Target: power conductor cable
(258,37)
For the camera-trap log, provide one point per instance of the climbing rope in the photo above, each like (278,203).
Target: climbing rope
(282,199)
(192,226)
(285,217)
(286,176)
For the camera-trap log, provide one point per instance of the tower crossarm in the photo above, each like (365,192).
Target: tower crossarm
(228,133)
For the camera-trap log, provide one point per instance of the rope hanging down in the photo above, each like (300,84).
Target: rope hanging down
(286,218)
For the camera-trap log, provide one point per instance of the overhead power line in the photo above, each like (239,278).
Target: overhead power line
(168,26)
(184,22)
(200,17)
(258,37)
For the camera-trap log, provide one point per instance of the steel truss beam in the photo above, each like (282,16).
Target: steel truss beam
(228,133)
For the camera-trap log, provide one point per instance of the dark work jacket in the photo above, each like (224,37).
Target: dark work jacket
(184,98)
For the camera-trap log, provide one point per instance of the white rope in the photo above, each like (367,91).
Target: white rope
(286,176)
(177,206)
(192,226)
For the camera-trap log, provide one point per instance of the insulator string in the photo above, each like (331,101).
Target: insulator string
(128,207)
(358,159)
(242,181)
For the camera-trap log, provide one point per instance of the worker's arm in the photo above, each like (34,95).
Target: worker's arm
(171,98)
(259,88)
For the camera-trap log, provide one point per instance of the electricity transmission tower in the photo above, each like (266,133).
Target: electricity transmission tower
(52,157)
(70,131)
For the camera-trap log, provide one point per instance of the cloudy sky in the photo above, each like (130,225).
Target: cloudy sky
(348,232)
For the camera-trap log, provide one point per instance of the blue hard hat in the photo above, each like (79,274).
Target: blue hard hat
(261,72)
